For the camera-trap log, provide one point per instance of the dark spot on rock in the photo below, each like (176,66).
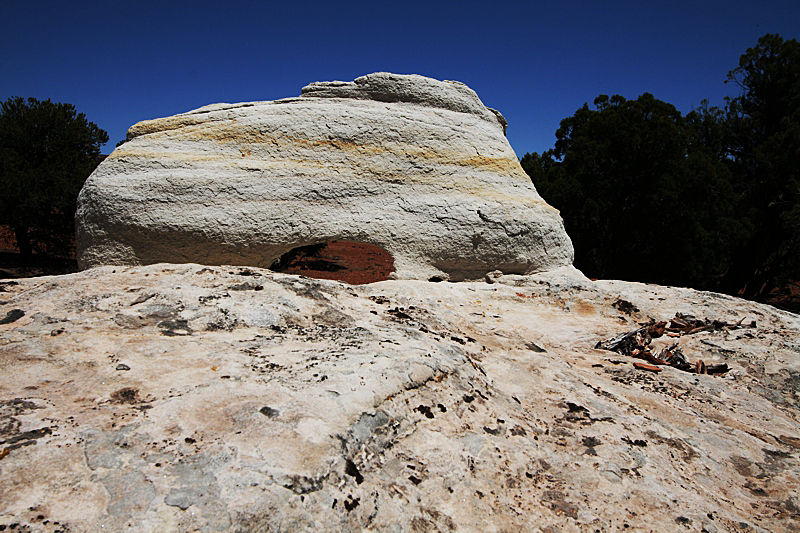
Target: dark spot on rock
(534,347)
(4,284)
(25,438)
(189,440)
(304,484)
(469,398)
(173,328)
(591,441)
(211,297)
(351,503)
(441,407)
(491,431)
(519,431)
(123,366)
(755,489)
(12,316)
(399,313)
(575,408)
(246,286)
(126,395)
(457,339)
(776,453)
(578,413)
(269,412)
(637,442)
(415,480)
(436,279)
(564,507)
(335,501)
(351,470)
(425,410)
(625,306)
(682,520)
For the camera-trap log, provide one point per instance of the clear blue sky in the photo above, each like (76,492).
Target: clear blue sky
(536,62)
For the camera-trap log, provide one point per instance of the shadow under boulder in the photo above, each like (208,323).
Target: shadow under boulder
(352,262)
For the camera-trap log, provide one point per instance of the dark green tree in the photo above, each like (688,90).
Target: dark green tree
(47,151)
(764,145)
(642,195)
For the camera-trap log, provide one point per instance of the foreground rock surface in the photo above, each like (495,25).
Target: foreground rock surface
(416,166)
(192,398)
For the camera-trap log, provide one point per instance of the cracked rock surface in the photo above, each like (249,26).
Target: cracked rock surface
(231,399)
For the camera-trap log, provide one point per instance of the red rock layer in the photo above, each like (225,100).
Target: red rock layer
(351,262)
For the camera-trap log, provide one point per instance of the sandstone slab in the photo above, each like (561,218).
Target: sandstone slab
(230,399)
(416,166)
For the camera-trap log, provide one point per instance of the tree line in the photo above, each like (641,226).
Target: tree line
(47,150)
(709,200)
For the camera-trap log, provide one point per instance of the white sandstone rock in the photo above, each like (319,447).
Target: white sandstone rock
(417,166)
(160,398)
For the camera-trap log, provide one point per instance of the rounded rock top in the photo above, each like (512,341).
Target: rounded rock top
(416,167)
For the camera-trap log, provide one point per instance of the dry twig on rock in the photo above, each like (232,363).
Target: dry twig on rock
(636,343)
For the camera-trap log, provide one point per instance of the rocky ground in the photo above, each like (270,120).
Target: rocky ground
(192,398)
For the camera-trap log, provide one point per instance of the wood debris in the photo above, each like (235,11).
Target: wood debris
(685,324)
(645,366)
(636,343)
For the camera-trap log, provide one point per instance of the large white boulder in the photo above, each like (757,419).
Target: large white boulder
(417,166)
